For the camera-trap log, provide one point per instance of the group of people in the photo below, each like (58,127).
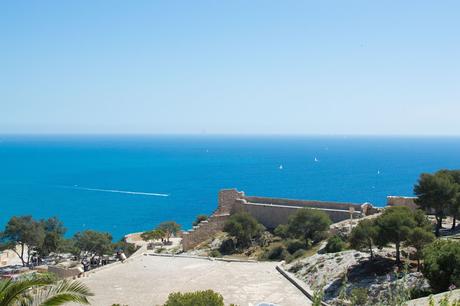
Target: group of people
(95,261)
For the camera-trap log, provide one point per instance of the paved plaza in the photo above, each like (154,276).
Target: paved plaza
(147,281)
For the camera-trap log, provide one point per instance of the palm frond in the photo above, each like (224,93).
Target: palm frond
(14,292)
(62,292)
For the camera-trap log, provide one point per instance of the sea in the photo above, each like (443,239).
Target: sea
(126,184)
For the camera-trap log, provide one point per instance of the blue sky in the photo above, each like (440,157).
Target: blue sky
(230,67)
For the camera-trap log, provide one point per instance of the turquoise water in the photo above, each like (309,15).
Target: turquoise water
(125,184)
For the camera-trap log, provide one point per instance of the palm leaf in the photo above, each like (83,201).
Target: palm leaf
(42,291)
(15,292)
(63,292)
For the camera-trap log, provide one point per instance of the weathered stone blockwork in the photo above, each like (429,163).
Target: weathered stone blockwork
(269,211)
(402,201)
(203,231)
(274,211)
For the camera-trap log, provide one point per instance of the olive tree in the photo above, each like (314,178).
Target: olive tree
(22,235)
(152,235)
(169,228)
(93,243)
(54,236)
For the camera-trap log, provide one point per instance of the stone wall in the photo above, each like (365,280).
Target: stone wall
(226,200)
(402,201)
(272,212)
(62,272)
(273,215)
(203,231)
(269,211)
(303,203)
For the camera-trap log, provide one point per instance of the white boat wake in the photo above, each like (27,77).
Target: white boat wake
(124,192)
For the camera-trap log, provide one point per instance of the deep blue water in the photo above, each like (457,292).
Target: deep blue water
(47,175)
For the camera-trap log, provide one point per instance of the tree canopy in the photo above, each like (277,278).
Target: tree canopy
(155,234)
(23,235)
(169,228)
(243,227)
(436,192)
(308,224)
(441,264)
(395,226)
(54,235)
(363,236)
(418,239)
(93,243)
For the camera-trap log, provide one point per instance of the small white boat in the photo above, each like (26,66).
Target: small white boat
(316,160)
(281,167)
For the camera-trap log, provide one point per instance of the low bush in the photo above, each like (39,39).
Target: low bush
(197,298)
(293,245)
(215,253)
(359,296)
(334,244)
(227,247)
(275,253)
(441,264)
(281,231)
(297,254)
(198,219)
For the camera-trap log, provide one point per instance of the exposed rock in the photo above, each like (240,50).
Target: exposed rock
(339,273)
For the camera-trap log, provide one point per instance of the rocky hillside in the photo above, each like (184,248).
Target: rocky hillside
(339,273)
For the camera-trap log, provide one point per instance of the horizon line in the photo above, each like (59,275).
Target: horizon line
(56,134)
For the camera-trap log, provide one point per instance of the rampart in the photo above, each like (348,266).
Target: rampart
(402,201)
(268,211)
(203,231)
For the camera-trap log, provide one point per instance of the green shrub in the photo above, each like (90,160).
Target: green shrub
(299,253)
(215,253)
(334,244)
(198,219)
(127,248)
(281,231)
(293,245)
(227,247)
(359,296)
(197,298)
(309,224)
(442,264)
(276,253)
(243,227)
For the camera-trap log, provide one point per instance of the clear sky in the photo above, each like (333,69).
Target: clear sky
(252,67)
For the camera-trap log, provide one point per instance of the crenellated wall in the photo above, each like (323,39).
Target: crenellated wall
(203,231)
(268,211)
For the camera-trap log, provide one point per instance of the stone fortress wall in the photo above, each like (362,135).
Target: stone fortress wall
(268,211)
(402,201)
